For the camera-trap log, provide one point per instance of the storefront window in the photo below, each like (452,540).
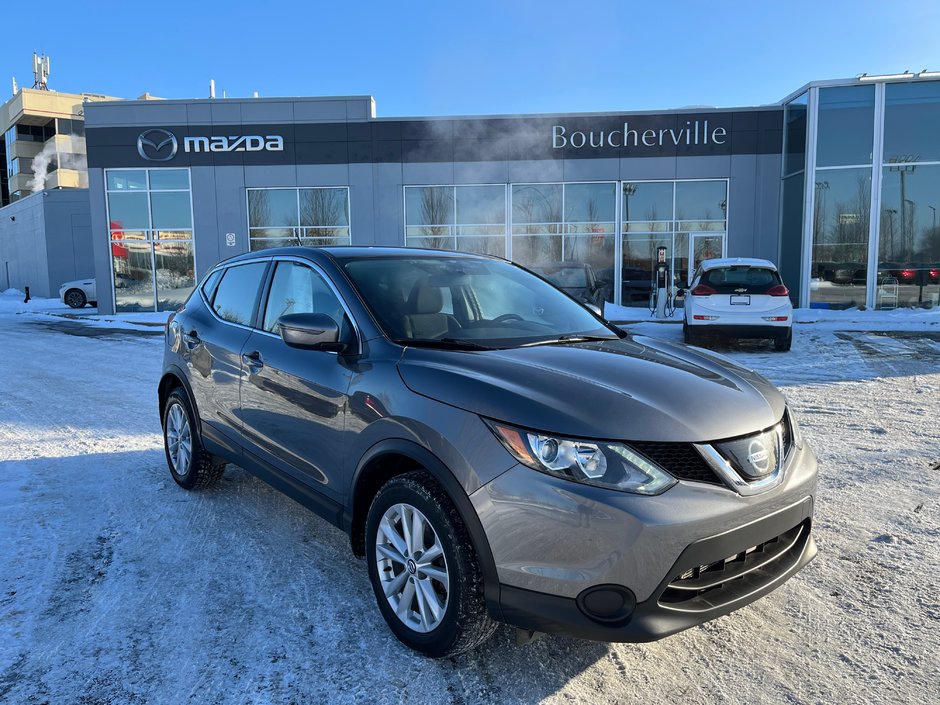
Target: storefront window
(150,216)
(909,243)
(912,116)
(846,125)
(840,238)
(465,218)
(794,117)
(688,218)
(312,217)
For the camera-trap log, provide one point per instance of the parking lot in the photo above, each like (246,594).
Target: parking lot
(116,586)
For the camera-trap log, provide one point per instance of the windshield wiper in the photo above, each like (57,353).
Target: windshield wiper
(571,339)
(444,343)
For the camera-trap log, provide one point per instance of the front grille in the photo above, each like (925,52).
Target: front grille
(704,587)
(680,460)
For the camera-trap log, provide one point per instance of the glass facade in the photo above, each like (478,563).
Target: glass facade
(467,218)
(688,218)
(877,146)
(151,233)
(312,217)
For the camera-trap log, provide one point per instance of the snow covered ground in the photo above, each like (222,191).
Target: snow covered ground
(117,587)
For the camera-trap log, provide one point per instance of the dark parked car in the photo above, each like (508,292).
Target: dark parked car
(495,450)
(575,279)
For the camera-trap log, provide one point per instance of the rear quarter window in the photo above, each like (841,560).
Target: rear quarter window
(741,280)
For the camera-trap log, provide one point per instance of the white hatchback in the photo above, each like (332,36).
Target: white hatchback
(738,298)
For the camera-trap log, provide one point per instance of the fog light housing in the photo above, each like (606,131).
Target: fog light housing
(607,604)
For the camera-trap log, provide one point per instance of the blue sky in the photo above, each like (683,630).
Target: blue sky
(480,57)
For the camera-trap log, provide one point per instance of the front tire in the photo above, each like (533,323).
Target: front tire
(423,568)
(192,467)
(75,298)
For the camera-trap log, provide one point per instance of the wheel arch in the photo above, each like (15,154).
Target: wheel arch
(172,378)
(393,457)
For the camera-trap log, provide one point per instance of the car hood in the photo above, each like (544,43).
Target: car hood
(638,388)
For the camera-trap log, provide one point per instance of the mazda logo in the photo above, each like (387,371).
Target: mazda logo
(152,143)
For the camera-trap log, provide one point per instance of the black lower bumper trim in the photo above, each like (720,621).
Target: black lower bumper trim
(651,620)
(743,331)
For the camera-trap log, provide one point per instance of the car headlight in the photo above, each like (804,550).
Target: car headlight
(795,431)
(610,465)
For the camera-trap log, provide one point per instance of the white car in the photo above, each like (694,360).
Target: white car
(79,292)
(738,298)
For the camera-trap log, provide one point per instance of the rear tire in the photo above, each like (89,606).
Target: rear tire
(782,343)
(687,336)
(75,298)
(433,605)
(192,467)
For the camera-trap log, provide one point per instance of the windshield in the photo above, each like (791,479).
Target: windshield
(475,302)
(563,277)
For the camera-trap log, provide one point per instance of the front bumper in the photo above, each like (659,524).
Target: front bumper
(662,614)
(554,541)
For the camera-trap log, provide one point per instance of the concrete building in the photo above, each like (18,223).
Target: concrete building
(45,233)
(836,183)
(45,240)
(43,142)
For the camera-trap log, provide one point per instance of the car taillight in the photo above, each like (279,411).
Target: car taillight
(775,318)
(907,274)
(705,318)
(779,290)
(935,272)
(702,290)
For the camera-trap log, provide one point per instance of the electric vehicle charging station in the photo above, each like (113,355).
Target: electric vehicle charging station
(662,305)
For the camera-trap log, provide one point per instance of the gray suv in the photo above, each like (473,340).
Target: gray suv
(495,450)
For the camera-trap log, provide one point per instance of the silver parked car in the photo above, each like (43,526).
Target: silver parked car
(495,450)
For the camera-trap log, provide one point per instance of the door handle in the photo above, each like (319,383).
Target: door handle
(253,359)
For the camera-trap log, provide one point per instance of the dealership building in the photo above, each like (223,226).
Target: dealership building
(839,184)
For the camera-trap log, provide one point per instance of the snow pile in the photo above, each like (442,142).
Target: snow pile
(11,301)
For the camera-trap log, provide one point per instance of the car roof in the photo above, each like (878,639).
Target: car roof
(348,252)
(737,262)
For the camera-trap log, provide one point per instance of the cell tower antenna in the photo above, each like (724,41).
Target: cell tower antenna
(40,71)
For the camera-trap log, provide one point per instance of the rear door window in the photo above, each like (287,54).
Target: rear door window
(237,292)
(741,280)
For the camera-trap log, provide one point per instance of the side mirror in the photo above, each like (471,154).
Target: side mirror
(310,331)
(595,308)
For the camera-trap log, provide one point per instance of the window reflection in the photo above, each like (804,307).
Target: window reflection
(311,217)
(151,238)
(912,117)
(909,239)
(840,238)
(846,125)
(669,214)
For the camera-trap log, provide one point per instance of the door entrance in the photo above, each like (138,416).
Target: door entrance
(703,246)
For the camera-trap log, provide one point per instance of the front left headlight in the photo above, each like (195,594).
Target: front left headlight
(610,465)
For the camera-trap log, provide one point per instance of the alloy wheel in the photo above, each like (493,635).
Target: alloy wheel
(412,567)
(179,440)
